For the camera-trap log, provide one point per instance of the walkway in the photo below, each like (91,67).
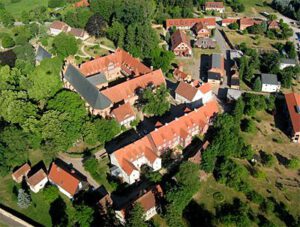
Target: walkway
(78,165)
(12,220)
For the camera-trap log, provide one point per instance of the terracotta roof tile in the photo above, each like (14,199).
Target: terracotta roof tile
(292,101)
(179,74)
(22,171)
(147,201)
(190,22)
(119,58)
(128,88)
(217,5)
(123,112)
(204,88)
(186,90)
(37,177)
(77,32)
(179,37)
(82,3)
(61,177)
(59,25)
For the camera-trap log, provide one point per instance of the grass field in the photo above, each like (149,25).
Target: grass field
(24,5)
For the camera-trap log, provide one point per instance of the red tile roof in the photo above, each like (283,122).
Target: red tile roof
(190,22)
(63,179)
(179,37)
(127,89)
(273,24)
(229,20)
(82,3)
(77,32)
(179,74)
(204,88)
(119,58)
(37,177)
(199,26)
(186,90)
(22,171)
(216,5)
(123,112)
(59,25)
(293,100)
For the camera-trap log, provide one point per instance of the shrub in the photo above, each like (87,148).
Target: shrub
(7,42)
(218,197)
(268,160)
(248,125)
(294,163)
(259,174)
(255,197)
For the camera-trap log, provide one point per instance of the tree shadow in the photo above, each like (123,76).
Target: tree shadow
(58,213)
(280,117)
(196,213)
(204,66)
(281,159)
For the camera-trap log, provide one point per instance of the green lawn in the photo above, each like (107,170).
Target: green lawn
(24,5)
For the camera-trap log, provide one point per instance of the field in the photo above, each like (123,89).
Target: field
(24,5)
(254,7)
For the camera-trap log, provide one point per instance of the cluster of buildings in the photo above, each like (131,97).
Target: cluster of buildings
(58,27)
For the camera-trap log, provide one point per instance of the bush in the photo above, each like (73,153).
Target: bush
(218,197)
(259,174)
(248,125)
(294,163)
(7,42)
(268,160)
(255,197)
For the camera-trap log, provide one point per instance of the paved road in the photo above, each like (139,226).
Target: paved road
(10,220)
(78,164)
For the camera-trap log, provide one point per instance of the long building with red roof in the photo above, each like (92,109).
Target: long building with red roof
(128,160)
(188,23)
(115,65)
(293,106)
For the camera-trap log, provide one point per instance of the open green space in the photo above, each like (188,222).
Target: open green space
(23,5)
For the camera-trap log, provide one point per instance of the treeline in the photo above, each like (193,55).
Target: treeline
(290,8)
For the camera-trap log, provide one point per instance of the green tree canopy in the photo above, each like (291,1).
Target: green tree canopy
(65,45)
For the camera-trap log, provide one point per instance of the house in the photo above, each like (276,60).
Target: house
(188,23)
(57,27)
(228,21)
(248,22)
(284,63)
(124,114)
(115,65)
(130,90)
(214,6)
(37,181)
(127,161)
(233,95)
(42,54)
(273,24)
(105,200)
(193,93)
(82,3)
(98,80)
(180,75)
(21,172)
(270,83)
(205,43)
(181,45)
(96,102)
(201,30)
(149,201)
(78,33)
(197,154)
(217,70)
(235,54)
(68,180)
(293,107)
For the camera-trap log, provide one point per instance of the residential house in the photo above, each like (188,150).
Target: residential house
(79,33)
(285,62)
(205,43)
(96,102)
(201,30)
(57,27)
(127,161)
(293,107)
(105,200)
(214,6)
(233,95)
(181,44)
(270,83)
(41,54)
(37,181)
(194,94)
(188,23)
(82,3)
(228,21)
(124,114)
(68,180)
(149,201)
(115,65)
(248,22)
(180,75)
(21,172)
(217,70)
(273,24)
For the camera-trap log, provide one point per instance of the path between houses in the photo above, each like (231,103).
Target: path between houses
(78,164)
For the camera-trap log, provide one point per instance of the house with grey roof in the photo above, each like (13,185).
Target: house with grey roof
(233,95)
(98,80)
(287,62)
(41,54)
(95,100)
(270,83)
(217,70)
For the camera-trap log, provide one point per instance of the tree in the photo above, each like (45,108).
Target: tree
(234,26)
(238,110)
(6,18)
(50,193)
(65,45)
(96,25)
(136,217)
(84,215)
(25,53)
(256,29)
(7,42)
(24,200)
(156,102)
(45,80)
(268,160)
(294,163)
(248,125)
(188,169)
(162,59)
(257,84)
(56,3)
(78,18)
(116,32)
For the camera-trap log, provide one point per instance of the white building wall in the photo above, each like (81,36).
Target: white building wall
(207,97)
(150,213)
(270,88)
(284,65)
(39,186)
(54,31)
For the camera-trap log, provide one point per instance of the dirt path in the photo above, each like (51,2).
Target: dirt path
(78,164)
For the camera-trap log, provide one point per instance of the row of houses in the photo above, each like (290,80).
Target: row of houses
(247,22)
(58,27)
